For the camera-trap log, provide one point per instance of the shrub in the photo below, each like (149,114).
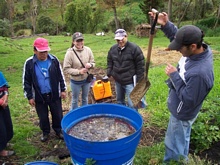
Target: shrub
(97,20)
(46,25)
(20,32)
(213,32)
(208,22)
(205,130)
(112,25)
(4,28)
(125,23)
(19,25)
(128,23)
(209,32)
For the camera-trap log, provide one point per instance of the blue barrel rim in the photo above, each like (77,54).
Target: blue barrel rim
(74,123)
(100,104)
(41,162)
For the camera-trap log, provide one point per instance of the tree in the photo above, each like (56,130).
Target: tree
(112,4)
(170,2)
(10,7)
(33,14)
(183,14)
(97,19)
(85,18)
(32,8)
(218,17)
(3,10)
(78,16)
(62,5)
(147,5)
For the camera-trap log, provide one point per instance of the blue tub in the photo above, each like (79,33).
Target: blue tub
(115,152)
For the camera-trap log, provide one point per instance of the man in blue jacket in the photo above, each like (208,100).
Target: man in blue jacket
(189,83)
(44,86)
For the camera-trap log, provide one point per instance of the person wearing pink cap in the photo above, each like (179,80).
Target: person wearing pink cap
(44,86)
(125,61)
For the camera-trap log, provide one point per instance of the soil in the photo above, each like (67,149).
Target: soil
(55,149)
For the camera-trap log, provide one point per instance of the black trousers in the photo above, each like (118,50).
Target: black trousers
(56,111)
(6,127)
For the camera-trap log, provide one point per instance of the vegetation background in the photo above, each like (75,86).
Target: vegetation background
(27,18)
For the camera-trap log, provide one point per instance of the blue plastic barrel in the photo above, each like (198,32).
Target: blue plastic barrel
(41,163)
(115,152)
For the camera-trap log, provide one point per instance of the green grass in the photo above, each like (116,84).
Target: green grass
(13,54)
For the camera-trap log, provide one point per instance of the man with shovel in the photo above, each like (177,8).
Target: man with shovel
(189,83)
(125,64)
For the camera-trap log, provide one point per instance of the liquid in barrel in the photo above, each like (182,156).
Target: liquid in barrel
(102,128)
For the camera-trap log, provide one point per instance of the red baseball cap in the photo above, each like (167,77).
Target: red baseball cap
(41,44)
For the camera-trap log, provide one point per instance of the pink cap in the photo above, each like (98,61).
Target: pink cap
(41,44)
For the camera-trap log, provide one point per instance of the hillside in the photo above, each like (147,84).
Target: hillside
(57,17)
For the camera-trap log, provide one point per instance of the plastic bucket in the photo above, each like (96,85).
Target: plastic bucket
(115,152)
(41,163)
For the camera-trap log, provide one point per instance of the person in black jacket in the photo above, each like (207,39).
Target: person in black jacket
(44,86)
(125,62)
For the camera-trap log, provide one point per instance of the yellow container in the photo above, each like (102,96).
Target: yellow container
(101,89)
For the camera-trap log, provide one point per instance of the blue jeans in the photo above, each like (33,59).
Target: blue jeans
(85,86)
(177,139)
(121,92)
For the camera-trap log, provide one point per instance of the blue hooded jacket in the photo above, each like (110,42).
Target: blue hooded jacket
(188,91)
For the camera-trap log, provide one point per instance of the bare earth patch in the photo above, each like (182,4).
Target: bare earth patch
(55,149)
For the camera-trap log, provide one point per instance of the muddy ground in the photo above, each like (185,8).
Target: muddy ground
(55,149)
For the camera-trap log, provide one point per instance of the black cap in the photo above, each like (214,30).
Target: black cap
(186,35)
(77,36)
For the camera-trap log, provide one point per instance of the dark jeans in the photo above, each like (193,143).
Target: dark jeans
(56,111)
(6,127)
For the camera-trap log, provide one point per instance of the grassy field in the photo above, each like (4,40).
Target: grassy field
(13,54)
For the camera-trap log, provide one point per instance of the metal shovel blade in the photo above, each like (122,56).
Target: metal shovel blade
(139,91)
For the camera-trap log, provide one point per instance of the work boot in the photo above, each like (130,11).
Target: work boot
(59,135)
(44,138)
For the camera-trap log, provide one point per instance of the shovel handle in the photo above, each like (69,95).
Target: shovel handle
(154,11)
(152,31)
